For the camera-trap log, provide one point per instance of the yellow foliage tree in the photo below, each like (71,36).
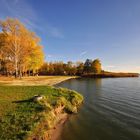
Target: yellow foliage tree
(96,66)
(21,46)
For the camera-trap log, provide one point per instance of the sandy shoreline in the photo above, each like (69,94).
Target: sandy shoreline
(53,133)
(58,128)
(35,80)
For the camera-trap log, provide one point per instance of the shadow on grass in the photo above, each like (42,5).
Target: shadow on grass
(34,98)
(23,101)
(31,105)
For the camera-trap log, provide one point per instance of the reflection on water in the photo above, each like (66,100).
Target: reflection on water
(111,110)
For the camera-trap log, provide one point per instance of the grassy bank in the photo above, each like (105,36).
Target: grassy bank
(110,75)
(22,117)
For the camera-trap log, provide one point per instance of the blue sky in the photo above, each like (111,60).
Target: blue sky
(79,29)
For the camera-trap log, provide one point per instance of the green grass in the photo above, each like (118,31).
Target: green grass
(20,116)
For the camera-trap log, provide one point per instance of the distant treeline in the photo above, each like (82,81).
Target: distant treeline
(89,69)
(70,68)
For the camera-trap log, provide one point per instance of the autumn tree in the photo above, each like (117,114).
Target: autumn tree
(96,66)
(1,44)
(51,69)
(70,68)
(35,59)
(59,68)
(21,46)
(87,66)
(44,69)
(80,68)
(4,59)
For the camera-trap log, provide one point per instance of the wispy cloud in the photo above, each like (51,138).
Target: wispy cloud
(83,53)
(22,10)
(49,56)
(19,9)
(111,66)
(54,32)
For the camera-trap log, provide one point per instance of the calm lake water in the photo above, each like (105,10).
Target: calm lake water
(111,110)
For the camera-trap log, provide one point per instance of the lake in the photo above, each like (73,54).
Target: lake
(111,110)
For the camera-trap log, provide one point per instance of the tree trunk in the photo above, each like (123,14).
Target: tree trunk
(29,73)
(20,72)
(16,67)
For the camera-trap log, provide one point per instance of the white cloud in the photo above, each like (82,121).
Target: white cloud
(49,55)
(83,53)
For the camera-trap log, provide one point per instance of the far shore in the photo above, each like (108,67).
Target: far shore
(110,75)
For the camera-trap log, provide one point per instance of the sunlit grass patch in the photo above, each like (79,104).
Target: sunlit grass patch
(20,114)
